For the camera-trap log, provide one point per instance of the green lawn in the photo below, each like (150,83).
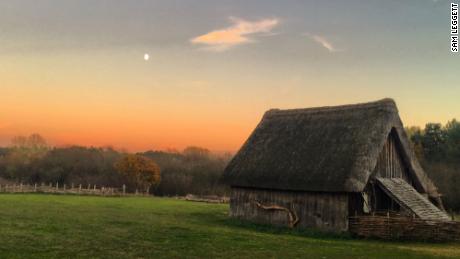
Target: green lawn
(41,226)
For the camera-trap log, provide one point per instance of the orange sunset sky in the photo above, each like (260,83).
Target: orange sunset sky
(74,71)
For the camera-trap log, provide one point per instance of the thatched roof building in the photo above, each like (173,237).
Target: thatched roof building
(326,163)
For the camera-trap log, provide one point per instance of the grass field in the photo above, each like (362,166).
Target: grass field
(42,226)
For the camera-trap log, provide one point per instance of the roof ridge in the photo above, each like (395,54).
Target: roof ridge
(385,103)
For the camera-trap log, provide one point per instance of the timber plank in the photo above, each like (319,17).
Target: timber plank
(406,196)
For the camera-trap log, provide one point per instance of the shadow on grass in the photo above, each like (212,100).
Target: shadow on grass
(280,230)
(225,221)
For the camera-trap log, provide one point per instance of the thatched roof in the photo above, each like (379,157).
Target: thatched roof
(333,149)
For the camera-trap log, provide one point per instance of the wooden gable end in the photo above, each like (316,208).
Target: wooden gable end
(390,163)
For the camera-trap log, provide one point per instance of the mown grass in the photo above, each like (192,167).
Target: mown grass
(44,226)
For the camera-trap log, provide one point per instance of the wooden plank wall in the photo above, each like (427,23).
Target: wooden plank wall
(390,163)
(324,211)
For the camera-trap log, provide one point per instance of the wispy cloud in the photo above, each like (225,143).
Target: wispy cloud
(238,33)
(323,42)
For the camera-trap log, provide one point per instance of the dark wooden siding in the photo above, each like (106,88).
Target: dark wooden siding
(390,163)
(325,211)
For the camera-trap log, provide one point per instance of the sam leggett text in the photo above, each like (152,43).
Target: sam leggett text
(453,27)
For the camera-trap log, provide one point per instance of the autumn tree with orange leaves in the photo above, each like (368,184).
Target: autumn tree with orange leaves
(140,171)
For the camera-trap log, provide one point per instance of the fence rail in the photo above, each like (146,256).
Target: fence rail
(65,189)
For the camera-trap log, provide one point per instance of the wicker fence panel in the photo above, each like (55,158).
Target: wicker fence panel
(404,228)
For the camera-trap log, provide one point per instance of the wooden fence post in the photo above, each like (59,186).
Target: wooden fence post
(388,224)
(89,186)
(71,186)
(43,188)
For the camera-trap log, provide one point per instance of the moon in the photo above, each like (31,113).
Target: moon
(146,56)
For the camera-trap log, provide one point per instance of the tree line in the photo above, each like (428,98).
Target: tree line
(437,147)
(194,170)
